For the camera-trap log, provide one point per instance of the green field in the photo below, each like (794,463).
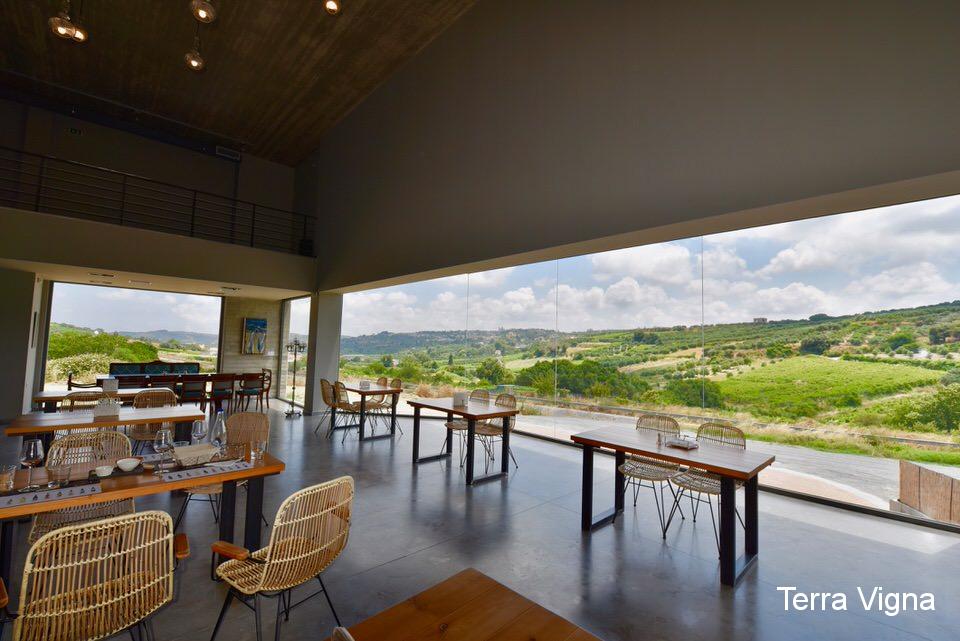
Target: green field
(806,386)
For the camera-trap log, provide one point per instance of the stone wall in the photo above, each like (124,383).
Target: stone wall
(231,335)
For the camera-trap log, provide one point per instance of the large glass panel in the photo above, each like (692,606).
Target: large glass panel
(840,334)
(513,317)
(294,353)
(92,326)
(416,332)
(629,336)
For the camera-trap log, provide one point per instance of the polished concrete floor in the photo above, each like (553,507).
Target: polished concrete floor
(416,526)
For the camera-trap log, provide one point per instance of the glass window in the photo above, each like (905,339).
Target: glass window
(294,353)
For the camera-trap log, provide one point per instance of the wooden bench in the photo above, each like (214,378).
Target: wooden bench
(469,606)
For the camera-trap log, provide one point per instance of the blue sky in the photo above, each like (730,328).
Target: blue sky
(898,256)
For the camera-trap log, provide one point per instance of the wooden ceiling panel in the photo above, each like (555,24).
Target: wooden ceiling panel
(279,73)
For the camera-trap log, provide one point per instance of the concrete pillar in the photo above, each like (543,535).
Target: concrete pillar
(20,340)
(323,351)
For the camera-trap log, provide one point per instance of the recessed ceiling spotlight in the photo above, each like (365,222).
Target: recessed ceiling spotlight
(203,10)
(332,7)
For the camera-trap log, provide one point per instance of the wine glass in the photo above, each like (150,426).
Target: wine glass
(162,443)
(198,431)
(31,456)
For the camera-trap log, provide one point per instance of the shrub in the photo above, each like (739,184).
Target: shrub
(694,393)
(85,367)
(493,371)
(115,346)
(943,410)
(814,345)
(779,350)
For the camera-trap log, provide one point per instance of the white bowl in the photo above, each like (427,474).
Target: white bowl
(128,464)
(103,470)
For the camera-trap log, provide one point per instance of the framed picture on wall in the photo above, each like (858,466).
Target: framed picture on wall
(254,335)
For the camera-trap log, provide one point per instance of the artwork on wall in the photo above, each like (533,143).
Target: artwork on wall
(254,335)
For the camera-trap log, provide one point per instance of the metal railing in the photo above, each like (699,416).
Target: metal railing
(75,189)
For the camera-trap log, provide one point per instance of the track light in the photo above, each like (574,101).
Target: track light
(61,24)
(203,10)
(194,60)
(332,7)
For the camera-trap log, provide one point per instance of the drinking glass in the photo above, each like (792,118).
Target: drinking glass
(162,443)
(31,455)
(7,477)
(198,431)
(58,476)
(257,448)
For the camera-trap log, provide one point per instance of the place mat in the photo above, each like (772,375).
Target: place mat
(205,470)
(72,491)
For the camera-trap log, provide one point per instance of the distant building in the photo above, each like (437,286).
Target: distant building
(760,321)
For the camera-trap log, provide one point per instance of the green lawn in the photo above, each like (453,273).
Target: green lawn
(808,385)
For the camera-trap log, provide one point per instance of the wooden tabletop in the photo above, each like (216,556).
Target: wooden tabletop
(43,422)
(469,606)
(479,410)
(130,486)
(719,459)
(373,390)
(48,395)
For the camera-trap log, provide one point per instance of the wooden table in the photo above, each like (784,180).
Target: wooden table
(48,399)
(731,464)
(363,393)
(42,425)
(469,606)
(145,484)
(473,411)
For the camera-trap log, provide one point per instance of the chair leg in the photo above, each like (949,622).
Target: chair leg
(213,508)
(713,520)
(329,602)
(223,613)
(183,510)
(276,626)
(256,616)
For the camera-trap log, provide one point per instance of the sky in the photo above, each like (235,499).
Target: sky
(890,257)
(117,309)
(899,256)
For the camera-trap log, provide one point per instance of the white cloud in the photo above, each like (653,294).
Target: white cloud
(665,263)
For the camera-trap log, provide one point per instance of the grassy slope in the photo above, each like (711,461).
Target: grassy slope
(807,385)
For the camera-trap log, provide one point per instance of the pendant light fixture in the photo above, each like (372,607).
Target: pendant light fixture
(193,58)
(79,31)
(61,24)
(203,10)
(332,6)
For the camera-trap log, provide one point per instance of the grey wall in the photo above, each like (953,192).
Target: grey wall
(20,293)
(531,124)
(44,132)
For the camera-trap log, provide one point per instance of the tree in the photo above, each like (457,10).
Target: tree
(814,345)
(387,360)
(943,410)
(493,371)
(646,338)
(450,360)
(902,339)
(694,392)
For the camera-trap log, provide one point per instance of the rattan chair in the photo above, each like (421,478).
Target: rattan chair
(79,449)
(346,407)
(78,402)
(146,433)
(93,580)
(243,428)
(489,432)
(643,471)
(328,396)
(309,532)
(705,484)
(459,425)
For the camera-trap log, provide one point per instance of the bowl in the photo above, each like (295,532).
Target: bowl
(129,464)
(103,470)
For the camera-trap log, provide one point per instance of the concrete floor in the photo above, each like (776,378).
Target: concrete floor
(416,526)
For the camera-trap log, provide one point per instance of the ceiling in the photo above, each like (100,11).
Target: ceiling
(279,73)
